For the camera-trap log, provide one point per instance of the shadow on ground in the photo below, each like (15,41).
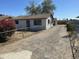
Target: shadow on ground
(66,36)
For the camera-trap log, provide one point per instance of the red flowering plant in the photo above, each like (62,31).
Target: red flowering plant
(7,27)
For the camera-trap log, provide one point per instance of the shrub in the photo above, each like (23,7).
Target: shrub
(6,25)
(70,28)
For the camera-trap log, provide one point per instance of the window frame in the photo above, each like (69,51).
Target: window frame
(37,22)
(17,21)
(48,21)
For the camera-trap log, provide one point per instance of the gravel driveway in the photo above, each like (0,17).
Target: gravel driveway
(49,44)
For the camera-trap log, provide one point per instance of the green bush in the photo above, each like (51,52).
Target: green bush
(70,27)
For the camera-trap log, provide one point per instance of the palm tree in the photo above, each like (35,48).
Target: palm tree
(45,7)
(31,9)
(48,6)
(39,9)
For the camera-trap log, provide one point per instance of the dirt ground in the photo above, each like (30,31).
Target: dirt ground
(18,35)
(49,44)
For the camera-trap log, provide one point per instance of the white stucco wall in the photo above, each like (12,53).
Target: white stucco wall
(44,25)
(49,25)
(21,24)
(37,27)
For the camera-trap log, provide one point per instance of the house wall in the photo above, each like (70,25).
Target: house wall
(49,25)
(21,24)
(37,27)
(44,25)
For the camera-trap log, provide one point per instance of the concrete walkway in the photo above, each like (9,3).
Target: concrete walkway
(49,44)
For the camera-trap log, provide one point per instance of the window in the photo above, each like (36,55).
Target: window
(17,22)
(37,22)
(48,21)
(28,23)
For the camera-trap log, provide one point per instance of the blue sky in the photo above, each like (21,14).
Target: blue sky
(64,8)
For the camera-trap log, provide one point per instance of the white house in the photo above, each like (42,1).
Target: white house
(34,22)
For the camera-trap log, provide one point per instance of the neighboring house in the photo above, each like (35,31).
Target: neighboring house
(3,17)
(34,22)
(55,21)
(75,22)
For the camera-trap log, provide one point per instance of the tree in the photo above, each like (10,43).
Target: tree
(6,25)
(1,15)
(77,17)
(39,9)
(47,6)
(70,28)
(31,9)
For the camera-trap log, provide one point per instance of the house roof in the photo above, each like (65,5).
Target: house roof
(40,16)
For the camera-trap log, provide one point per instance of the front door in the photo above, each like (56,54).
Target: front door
(28,23)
